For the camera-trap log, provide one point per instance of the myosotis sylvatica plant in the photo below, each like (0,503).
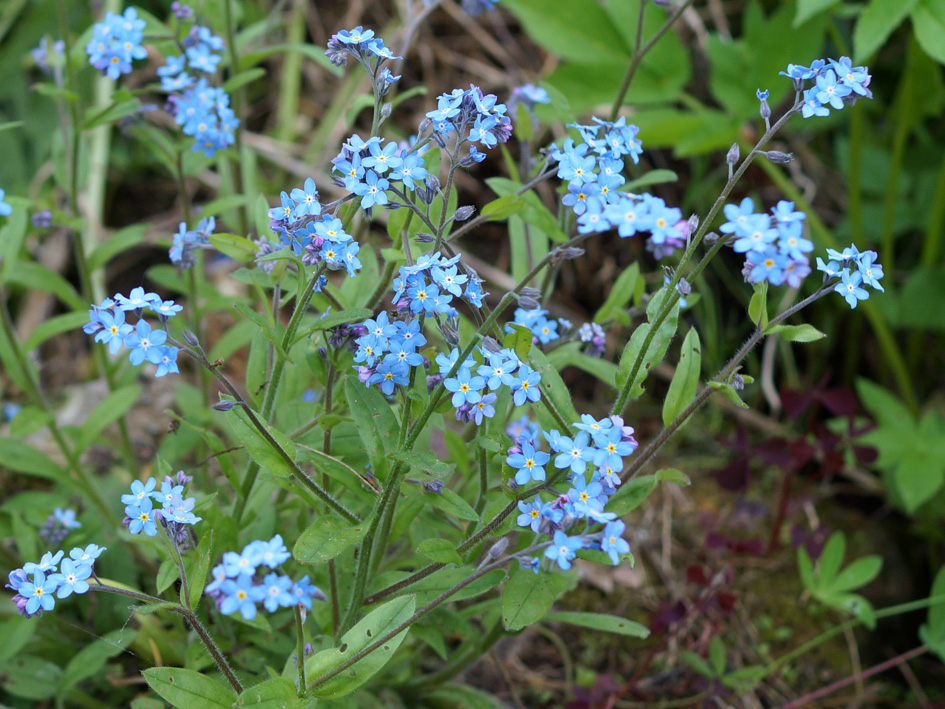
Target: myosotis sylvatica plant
(407,438)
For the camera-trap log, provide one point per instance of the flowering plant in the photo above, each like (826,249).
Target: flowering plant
(403,440)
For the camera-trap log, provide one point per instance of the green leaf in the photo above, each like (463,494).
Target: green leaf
(376,422)
(108,410)
(527,597)
(197,567)
(92,658)
(187,689)
(309,51)
(12,235)
(275,693)
(808,8)
(672,475)
(578,30)
(330,320)
(55,325)
(932,633)
(437,583)
(831,559)
(717,655)
(806,569)
(440,551)
(236,247)
(877,21)
(110,114)
(758,305)
(326,538)
(631,494)
(37,277)
(654,352)
(376,624)
(856,574)
(729,392)
(243,78)
(115,244)
(259,449)
(16,632)
(796,333)
(30,677)
(502,208)
(267,327)
(553,386)
(601,621)
(697,664)
(520,340)
(454,506)
(685,383)
(928,20)
(659,176)
(618,298)
(534,213)
(570,355)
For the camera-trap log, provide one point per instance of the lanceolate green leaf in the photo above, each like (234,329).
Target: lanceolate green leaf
(682,390)
(528,596)
(375,625)
(326,538)
(649,354)
(187,689)
(601,621)
(259,448)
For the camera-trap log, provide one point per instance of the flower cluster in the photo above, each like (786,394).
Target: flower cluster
(299,224)
(186,241)
(593,170)
(486,119)
(387,350)
(773,244)
(593,335)
(176,511)
(501,368)
(241,581)
(58,526)
(599,446)
(367,168)
(369,51)
(116,42)
(855,269)
(430,284)
(36,584)
(107,323)
(835,83)
(204,112)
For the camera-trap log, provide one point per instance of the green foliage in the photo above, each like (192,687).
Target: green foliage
(832,585)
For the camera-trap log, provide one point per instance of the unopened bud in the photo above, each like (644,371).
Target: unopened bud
(464,213)
(190,338)
(526,303)
(438,139)
(733,154)
(529,292)
(710,238)
(424,238)
(693,223)
(779,158)
(386,111)
(571,252)
(225,405)
(451,335)
(433,182)
(436,487)
(738,382)
(765,109)
(499,547)
(683,287)
(490,344)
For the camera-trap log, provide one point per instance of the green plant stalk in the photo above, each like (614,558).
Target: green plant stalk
(467,655)
(639,52)
(237,109)
(272,387)
(384,501)
(298,473)
(35,393)
(672,294)
(483,481)
(858,677)
(724,375)
(443,597)
(287,109)
(80,246)
(887,341)
(887,612)
(300,649)
(219,659)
